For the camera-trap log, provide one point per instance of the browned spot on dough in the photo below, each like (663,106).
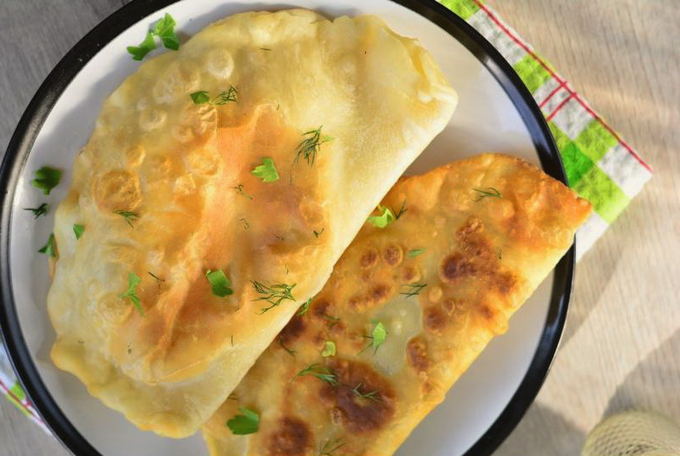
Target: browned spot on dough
(410,274)
(358,414)
(456,266)
(117,190)
(476,258)
(434,319)
(292,438)
(293,330)
(505,282)
(320,307)
(380,293)
(369,258)
(487,312)
(393,255)
(417,354)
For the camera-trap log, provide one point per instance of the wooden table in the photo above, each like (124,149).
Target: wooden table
(621,348)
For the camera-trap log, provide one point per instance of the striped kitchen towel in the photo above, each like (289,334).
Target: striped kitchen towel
(600,166)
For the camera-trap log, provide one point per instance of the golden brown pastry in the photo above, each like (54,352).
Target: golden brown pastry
(406,311)
(220,185)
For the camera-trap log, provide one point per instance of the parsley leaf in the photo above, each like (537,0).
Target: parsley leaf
(321,372)
(266,171)
(38,211)
(46,179)
(415,252)
(165,30)
(378,336)
(384,219)
(248,422)
(131,292)
(221,285)
(328,349)
(78,230)
(200,97)
(50,249)
(146,46)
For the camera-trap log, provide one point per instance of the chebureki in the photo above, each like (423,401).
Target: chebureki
(221,184)
(407,309)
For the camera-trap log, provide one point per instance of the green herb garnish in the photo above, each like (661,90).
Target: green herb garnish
(489,192)
(129,216)
(221,285)
(163,29)
(156,278)
(304,308)
(266,171)
(328,349)
(402,210)
(384,219)
(291,352)
(46,179)
(131,292)
(50,249)
(412,289)
(273,294)
(239,188)
(332,321)
(202,97)
(378,336)
(248,422)
(229,95)
(372,395)
(78,230)
(331,446)
(323,373)
(318,233)
(415,252)
(38,211)
(311,145)
(146,46)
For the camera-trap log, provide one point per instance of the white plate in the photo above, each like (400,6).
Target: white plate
(494,115)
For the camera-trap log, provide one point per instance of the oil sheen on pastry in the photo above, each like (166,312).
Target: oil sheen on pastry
(406,311)
(221,184)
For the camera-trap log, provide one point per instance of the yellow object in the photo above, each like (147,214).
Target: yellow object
(165,190)
(482,256)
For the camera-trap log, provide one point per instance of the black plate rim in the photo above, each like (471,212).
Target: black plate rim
(80,54)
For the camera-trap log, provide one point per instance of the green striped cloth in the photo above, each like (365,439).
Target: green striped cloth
(600,166)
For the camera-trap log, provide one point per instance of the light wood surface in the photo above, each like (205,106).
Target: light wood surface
(621,348)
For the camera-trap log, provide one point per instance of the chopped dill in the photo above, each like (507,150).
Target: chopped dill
(273,294)
(311,145)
